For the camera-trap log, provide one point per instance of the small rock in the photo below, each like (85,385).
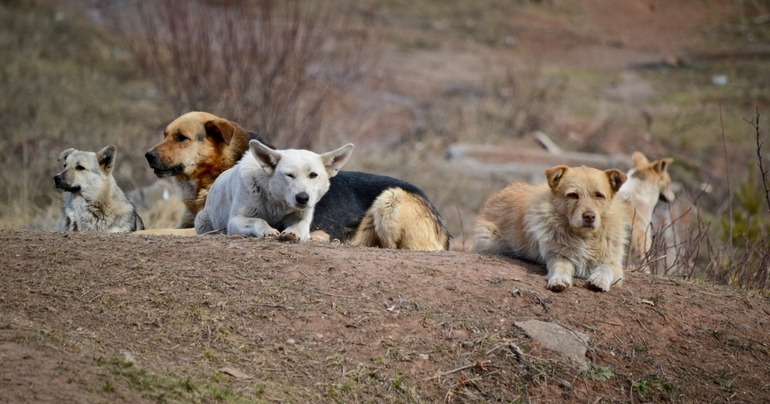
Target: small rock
(467,344)
(569,343)
(290,341)
(423,356)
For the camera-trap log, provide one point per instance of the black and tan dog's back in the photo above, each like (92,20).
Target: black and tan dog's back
(379,211)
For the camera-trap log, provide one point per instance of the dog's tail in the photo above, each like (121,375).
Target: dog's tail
(404,220)
(487,238)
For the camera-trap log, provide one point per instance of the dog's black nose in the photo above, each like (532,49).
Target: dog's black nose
(589,217)
(302,198)
(57,179)
(151,156)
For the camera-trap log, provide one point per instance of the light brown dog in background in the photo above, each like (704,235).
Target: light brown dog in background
(573,224)
(647,183)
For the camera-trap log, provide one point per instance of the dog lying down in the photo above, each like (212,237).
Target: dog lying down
(270,193)
(92,199)
(281,192)
(573,224)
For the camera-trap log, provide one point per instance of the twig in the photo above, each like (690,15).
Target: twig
(610,322)
(333,295)
(536,296)
(454,370)
(762,171)
(640,323)
(729,189)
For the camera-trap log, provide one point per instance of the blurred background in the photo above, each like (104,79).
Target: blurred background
(453,96)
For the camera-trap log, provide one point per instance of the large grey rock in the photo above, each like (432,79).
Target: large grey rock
(570,344)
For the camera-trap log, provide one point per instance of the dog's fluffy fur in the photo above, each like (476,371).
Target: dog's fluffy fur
(270,192)
(366,209)
(196,148)
(573,224)
(647,183)
(92,199)
(378,211)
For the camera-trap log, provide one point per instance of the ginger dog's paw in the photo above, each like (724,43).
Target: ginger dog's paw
(558,283)
(599,282)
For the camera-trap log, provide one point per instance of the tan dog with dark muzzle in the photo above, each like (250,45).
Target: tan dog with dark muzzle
(196,148)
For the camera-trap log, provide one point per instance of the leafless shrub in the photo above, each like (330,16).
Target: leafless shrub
(739,254)
(270,65)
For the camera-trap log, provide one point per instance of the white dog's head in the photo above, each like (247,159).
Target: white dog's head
(299,177)
(85,172)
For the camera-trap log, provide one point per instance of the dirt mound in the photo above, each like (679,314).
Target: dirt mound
(93,317)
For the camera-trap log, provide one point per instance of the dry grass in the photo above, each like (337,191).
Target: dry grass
(273,67)
(65,84)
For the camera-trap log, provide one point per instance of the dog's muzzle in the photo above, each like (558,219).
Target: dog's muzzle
(589,218)
(302,199)
(153,159)
(59,183)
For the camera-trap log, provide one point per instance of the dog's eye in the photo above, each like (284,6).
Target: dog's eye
(573,195)
(290,175)
(180,138)
(313,175)
(79,167)
(599,195)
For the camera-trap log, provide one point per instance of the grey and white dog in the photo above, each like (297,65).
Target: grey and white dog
(92,199)
(270,193)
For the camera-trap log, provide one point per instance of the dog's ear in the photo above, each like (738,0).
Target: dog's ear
(221,130)
(106,158)
(639,160)
(266,157)
(616,178)
(662,164)
(335,159)
(63,155)
(554,175)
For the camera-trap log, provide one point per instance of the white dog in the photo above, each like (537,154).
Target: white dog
(270,192)
(92,199)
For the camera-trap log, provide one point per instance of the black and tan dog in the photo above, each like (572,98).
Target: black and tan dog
(360,208)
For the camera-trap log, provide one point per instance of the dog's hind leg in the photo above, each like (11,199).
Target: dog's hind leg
(487,239)
(398,219)
(366,235)
(203,222)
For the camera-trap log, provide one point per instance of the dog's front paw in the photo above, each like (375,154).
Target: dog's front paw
(558,283)
(600,282)
(267,233)
(290,236)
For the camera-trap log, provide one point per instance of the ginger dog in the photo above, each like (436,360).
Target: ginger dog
(573,224)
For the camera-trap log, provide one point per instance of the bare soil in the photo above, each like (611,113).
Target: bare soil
(123,318)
